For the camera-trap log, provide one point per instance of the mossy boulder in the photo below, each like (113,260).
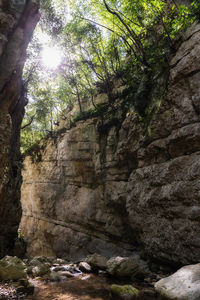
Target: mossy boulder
(124,267)
(124,292)
(12,268)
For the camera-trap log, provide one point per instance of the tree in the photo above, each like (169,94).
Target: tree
(101,40)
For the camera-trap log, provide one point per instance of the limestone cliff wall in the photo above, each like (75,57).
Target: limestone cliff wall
(123,190)
(17,22)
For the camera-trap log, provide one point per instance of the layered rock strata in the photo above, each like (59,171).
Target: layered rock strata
(17,22)
(121,190)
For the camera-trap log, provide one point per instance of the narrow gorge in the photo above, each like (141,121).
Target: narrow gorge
(99,149)
(121,188)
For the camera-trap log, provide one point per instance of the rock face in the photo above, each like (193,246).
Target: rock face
(17,22)
(121,189)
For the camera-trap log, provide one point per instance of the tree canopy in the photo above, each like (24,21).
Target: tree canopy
(97,42)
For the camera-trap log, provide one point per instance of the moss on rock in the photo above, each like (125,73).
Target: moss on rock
(124,292)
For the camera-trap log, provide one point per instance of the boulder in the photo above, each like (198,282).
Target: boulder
(85,267)
(12,268)
(40,270)
(37,260)
(124,292)
(123,267)
(38,266)
(182,285)
(97,261)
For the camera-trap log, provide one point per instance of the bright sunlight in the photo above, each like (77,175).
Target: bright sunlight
(51,57)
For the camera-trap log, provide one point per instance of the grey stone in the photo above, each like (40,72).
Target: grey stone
(182,285)
(96,260)
(38,267)
(123,267)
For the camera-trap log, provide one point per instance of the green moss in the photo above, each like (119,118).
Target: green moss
(120,290)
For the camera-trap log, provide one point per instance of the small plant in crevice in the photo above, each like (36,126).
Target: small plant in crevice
(20,245)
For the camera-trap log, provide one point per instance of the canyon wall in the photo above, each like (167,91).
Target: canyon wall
(17,21)
(121,188)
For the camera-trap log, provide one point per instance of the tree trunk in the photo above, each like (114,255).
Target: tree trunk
(17,22)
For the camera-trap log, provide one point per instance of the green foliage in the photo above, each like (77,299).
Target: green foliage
(195,10)
(101,41)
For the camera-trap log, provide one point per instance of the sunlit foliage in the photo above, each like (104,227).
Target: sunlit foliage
(100,40)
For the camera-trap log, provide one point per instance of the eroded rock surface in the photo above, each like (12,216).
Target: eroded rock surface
(114,191)
(17,22)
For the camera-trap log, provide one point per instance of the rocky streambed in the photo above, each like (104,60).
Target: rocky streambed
(95,278)
(99,278)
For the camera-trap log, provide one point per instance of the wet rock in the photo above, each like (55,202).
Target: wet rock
(72,268)
(59,268)
(85,267)
(98,261)
(66,274)
(124,292)
(123,267)
(182,285)
(12,268)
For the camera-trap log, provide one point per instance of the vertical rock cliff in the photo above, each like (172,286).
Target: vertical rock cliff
(18,19)
(119,189)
